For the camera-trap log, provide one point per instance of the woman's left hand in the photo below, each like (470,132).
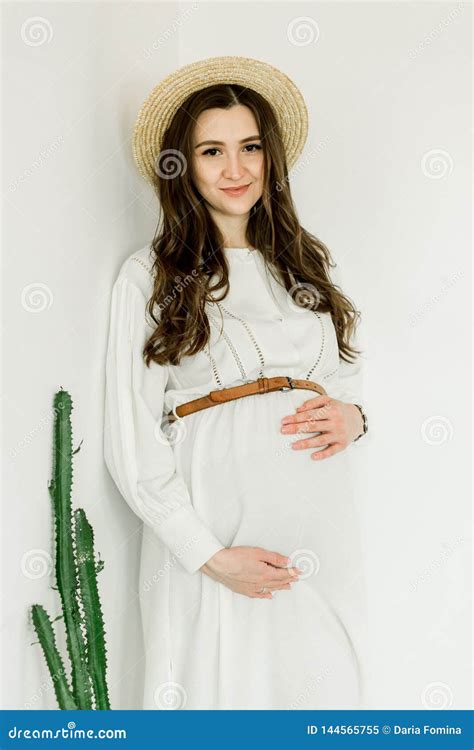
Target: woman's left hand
(340,423)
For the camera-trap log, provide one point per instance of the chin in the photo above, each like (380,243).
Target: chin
(237,211)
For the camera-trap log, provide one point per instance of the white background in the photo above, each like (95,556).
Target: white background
(384,181)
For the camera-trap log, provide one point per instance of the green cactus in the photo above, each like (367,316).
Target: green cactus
(44,629)
(76,581)
(87,569)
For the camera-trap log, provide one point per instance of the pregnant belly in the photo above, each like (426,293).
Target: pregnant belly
(252,489)
(250,485)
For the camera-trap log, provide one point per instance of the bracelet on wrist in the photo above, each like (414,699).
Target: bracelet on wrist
(365,423)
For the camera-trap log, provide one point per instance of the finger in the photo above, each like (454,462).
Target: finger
(273,558)
(307,425)
(280,574)
(315,402)
(275,580)
(286,586)
(280,586)
(326,439)
(270,588)
(252,590)
(278,568)
(330,451)
(309,415)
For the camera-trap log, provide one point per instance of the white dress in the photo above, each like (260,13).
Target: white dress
(226,476)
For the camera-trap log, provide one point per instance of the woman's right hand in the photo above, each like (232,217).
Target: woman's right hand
(246,570)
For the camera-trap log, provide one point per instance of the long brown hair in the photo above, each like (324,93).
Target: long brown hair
(187,247)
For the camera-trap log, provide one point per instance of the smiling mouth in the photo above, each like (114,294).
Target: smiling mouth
(236,191)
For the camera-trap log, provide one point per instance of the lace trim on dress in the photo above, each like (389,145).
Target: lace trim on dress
(215,371)
(251,334)
(142,263)
(252,337)
(321,350)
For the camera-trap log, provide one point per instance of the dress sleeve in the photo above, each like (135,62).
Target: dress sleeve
(351,376)
(136,452)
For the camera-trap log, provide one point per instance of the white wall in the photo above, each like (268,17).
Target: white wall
(387,87)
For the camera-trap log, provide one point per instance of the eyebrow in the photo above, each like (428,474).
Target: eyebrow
(220,143)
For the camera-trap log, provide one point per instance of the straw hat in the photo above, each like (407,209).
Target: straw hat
(165,99)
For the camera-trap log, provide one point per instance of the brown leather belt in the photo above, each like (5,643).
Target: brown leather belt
(261,385)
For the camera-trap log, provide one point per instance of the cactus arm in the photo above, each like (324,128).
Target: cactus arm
(46,637)
(66,572)
(87,570)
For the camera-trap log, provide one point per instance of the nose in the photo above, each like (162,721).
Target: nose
(233,169)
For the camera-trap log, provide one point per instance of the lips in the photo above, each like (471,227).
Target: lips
(236,191)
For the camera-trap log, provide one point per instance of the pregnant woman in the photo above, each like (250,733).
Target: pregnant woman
(233,402)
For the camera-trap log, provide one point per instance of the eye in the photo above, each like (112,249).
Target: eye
(249,145)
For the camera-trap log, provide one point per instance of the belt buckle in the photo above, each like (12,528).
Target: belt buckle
(288,388)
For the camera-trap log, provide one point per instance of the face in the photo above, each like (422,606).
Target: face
(228,153)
